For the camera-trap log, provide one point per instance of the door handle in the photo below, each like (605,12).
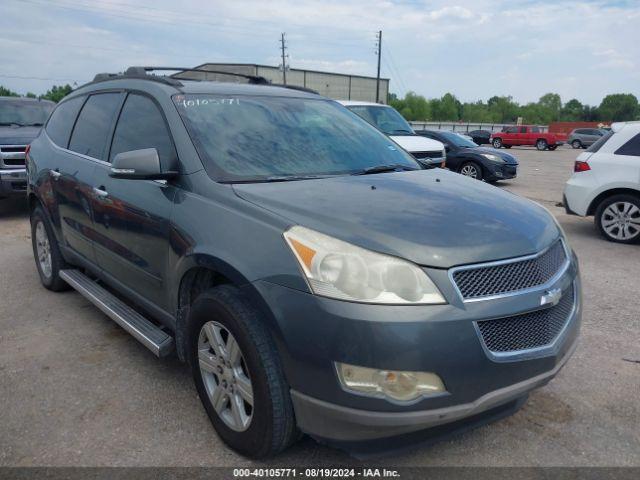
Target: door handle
(55,174)
(100,191)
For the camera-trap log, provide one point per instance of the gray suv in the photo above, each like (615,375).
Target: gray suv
(585,137)
(20,122)
(312,274)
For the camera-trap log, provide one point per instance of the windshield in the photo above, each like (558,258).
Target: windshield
(23,113)
(385,119)
(260,138)
(457,140)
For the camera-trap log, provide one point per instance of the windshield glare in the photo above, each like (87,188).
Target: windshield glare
(457,140)
(22,113)
(385,119)
(255,138)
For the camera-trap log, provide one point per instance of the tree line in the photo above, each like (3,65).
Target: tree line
(503,109)
(55,93)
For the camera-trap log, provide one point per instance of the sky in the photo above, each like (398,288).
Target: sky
(472,48)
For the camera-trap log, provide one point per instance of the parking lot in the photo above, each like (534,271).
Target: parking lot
(78,390)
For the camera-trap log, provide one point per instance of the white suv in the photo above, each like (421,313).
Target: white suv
(429,152)
(606,184)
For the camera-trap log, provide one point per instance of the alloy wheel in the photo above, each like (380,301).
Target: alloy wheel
(225,376)
(469,170)
(621,221)
(43,249)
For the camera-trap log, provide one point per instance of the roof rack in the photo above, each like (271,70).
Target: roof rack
(254,79)
(142,73)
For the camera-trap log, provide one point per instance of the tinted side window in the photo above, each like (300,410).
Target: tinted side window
(580,131)
(535,129)
(62,119)
(632,147)
(141,125)
(90,134)
(512,130)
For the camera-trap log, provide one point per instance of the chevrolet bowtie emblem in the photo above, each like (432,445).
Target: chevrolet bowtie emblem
(551,297)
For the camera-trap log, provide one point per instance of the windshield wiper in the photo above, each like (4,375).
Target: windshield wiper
(399,131)
(291,178)
(37,124)
(11,124)
(384,168)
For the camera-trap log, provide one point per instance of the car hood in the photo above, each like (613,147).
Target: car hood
(416,143)
(508,158)
(430,217)
(18,135)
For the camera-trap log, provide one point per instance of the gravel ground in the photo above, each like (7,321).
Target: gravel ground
(77,390)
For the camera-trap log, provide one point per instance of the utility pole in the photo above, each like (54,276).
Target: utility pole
(284,64)
(379,52)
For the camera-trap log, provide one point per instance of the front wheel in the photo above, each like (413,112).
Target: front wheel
(542,144)
(471,169)
(618,219)
(497,143)
(576,144)
(46,252)
(238,375)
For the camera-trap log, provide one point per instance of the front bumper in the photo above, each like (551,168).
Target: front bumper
(13,182)
(328,421)
(502,171)
(313,333)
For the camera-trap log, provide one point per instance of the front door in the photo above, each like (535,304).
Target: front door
(132,216)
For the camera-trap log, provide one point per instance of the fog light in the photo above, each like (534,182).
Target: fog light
(397,385)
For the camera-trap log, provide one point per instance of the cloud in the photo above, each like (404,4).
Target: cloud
(472,48)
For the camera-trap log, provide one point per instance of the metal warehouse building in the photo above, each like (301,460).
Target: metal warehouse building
(333,85)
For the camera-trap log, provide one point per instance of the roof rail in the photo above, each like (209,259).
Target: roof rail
(254,79)
(295,87)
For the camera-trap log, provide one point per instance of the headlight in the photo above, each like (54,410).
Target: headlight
(340,270)
(492,157)
(395,385)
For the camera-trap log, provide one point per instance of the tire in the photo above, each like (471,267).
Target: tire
(471,169)
(46,252)
(576,144)
(497,143)
(541,144)
(271,423)
(617,218)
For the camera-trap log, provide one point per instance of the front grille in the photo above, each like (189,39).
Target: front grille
(14,162)
(511,276)
(530,330)
(420,155)
(14,149)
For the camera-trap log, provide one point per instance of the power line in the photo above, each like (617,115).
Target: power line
(397,71)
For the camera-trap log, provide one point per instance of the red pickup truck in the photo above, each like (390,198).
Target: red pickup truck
(526,135)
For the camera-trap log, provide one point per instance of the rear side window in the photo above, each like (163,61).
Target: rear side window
(632,147)
(597,145)
(90,134)
(141,125)
(61,122)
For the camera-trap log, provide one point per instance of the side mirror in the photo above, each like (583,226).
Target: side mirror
(447,148)
(141,164)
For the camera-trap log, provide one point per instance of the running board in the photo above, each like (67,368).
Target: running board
(151,336)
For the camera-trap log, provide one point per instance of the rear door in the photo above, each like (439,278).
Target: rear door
(73,176)
(132,216)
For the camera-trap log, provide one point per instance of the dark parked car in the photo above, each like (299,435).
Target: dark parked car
(467,158)
(480,137)
(585,137)
(20,122)
(313,276)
